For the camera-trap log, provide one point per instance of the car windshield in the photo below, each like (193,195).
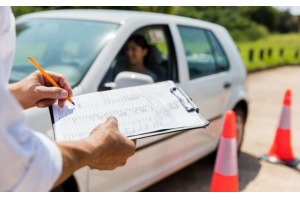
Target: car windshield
(68,47)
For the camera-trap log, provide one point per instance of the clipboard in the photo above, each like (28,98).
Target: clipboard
(185,101)
(190,107)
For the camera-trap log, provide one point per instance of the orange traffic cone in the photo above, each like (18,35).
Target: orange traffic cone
(225,177)
(281,150)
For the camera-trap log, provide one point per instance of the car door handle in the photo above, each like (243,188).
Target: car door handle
(227,85)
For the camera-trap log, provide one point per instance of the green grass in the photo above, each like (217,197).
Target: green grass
(290,43)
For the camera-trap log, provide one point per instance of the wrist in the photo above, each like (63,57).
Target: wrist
(75,154)
(18,93)
(14,88)
(74,157)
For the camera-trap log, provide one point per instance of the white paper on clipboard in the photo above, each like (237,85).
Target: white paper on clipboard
(141,111)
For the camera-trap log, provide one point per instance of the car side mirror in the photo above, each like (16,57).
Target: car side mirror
(128,79)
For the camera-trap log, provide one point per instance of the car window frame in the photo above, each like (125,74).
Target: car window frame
(173,62)
(205,30)
(222,49)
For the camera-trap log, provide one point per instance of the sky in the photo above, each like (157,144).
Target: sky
(294,10)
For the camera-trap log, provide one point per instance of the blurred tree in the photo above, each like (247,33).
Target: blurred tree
(287,23)
(160,9)
(22,10)
(240,27)
(273,19)
(243,23)
(265,15)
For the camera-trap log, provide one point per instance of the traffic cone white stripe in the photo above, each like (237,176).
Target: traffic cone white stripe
(226,164)
(285,121)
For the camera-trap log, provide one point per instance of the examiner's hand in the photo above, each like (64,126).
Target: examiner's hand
(105,149)
(36,90)
(109,148)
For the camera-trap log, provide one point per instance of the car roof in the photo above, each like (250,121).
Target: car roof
(114,16)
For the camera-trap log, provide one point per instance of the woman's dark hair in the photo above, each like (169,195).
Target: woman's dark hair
(139,40)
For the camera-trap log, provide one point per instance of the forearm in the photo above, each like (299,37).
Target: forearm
(75,155)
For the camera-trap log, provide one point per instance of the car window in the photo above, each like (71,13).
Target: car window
(157,38)
(219,55)
(68,47)
(158,63)
(198,50)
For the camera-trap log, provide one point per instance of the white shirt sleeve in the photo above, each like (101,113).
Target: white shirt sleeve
(29,161)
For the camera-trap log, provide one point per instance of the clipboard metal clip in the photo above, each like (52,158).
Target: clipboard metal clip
(187,102)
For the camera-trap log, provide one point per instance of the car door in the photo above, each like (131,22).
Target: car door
(208,82)
(155,156)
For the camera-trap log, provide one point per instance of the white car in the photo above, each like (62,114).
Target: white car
(87,47)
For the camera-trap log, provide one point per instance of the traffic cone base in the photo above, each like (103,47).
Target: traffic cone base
(230,186)
(281,150)
(273,159)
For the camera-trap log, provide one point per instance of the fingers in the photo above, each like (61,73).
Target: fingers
(113,123)
(61,102)
(119,164)
(134,141)
(112,120)
(110,123)
(132,145)
(61,81)
(45,103)
(51,92)
(116,147)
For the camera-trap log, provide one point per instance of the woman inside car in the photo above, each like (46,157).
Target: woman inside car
(136,51)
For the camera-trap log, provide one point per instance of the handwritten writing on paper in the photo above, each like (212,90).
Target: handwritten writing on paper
(139,110)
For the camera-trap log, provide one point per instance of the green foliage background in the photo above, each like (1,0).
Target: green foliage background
(255,27)
(243,23)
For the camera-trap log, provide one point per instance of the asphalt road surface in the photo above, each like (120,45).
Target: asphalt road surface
(266,90)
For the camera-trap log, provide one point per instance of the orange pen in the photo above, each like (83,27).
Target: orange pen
(47,76)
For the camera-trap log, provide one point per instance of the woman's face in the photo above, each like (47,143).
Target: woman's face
(135,54)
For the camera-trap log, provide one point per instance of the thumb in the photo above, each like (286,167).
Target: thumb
(112,121)
(52,93)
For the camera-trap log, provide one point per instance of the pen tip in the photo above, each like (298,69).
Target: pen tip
(73,103)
